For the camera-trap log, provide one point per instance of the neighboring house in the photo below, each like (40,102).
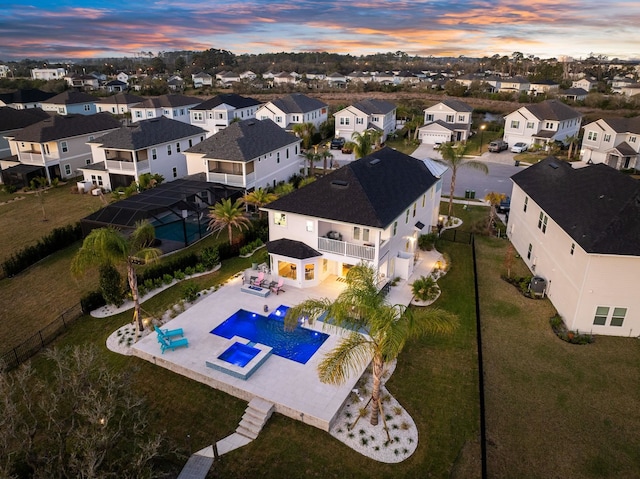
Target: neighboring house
(336,79)
(175,107)
(449,120)
(4,71)
(619,84)
(218,112)
(544,87)
(154,146)
(515,85)
(175,83)
(587,84)
(358,77)
(202,79)
(631,89)
(613,141)
(48,73)
(83,82)
(58,145)
(371,210)
(578,230)
(248,75)
(542,123)
(123,77)
(71,102)
(24,99)
(370,114)
(575,94)
(295,108)
(118,104)
(248,154)
(284,78)
(115,86)
(12,121)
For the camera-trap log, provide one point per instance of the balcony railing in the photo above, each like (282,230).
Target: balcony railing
(127,166)
(346,249)
(231,180)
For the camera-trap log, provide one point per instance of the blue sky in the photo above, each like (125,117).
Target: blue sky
(71,29)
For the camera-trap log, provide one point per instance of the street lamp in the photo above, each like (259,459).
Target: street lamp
(482,127)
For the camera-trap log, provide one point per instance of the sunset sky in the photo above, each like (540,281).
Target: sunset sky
(72,29)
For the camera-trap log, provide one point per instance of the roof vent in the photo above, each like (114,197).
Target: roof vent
(553,165)
(251,123)
(339,184)
(375,161)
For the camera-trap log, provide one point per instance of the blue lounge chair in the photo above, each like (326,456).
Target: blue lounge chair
(168,333)
(172,344)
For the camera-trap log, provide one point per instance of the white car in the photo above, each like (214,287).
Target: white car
(519,147)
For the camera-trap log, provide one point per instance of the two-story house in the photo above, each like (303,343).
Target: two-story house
(201,79)
(218,112)
(449,120)
(292,109)
(514,85)
(59,144)
(71,102)
(82,82)
(378,115)
(613,141)
(542,123)
(587,84)
(154,146)
(47,74)
(24,99)
(175,107)
(118,104)
(371,210)
(247,154)
(577,230)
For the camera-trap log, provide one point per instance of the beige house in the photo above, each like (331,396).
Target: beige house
(369,114)
(449,120)
(577,230)
(613,141)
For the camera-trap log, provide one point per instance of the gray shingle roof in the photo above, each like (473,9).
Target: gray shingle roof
(291,249)
(372,191)
(456,105)
(244,141)
(59,127)
(624,125)
(71,97)
(28,95)
(12,119)
(232,99)
(146,133)
(374,107)
(169,101)
(122,98)
(597,206)
(553,110)
(298,103)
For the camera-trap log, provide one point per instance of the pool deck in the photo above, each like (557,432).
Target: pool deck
(293,388)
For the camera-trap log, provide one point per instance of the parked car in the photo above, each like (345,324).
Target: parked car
(337,143)
(519,147)
(498,145)
(505,205)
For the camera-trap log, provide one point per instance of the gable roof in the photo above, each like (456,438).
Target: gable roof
(596,205)
(168,101)
(146,133)
(29,95)
(232,99)
(374,107)
(244,141)
(12,119)
(457,105)
(58,127)
(552,110)
(292,249)
(121,98)
(372,191)
(298,103)
(71,97)
(624,125)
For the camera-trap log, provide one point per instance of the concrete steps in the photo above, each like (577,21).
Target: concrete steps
(254,418)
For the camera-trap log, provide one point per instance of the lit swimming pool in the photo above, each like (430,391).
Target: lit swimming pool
(239,354)
(298,345)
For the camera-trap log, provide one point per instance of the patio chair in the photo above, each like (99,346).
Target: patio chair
(258,280)
(168,333)
(277,287)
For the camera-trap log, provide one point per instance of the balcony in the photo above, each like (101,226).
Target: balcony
(344,248)
(231,180)
(127,167)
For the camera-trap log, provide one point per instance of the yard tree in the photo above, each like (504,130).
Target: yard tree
(311,156)
(363,143)
(259,197)
(378,330)
(304,131)
(325,156)
(453,157)
(494,199)
(109,246)
(226,214)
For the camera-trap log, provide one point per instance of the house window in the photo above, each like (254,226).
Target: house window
(542,222)
(138,114)
(365,234)
(359,121)
(91,137)
(526,202)
(190,142)
(600,318)
(87,161)
(287,153)
(395,228)
(197,116)
(278,119)
(549,125)
(174,170)
(592,136)
(295,118)
(64,147)
(461,119)
(87,108)
(309,272)
(280,219)
(607,138)
(356,232)
(515,124)
(617,318)
(414,209)
(429,117)
(61,110)
(406,217)
(278,157)
(573,248)
(309,226)
(169,150)
(450,118)
(178,147)
(529,250)
(166,112)
(530,125)
(154,154)
(149,114)
(67,170)
(424,199)
(632,139)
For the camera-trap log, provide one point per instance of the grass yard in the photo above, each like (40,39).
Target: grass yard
(553,409)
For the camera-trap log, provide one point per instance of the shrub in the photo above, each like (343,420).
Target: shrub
(189,270)
(425,288)
(427,242)
(91,301)
(167,278)
(111,285)
(190,291)
(210,257)
(179,275)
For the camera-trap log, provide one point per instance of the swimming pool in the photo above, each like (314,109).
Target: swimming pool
(298,345)
(239,354)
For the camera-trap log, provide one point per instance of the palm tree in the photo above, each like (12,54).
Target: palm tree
(325,156)
(453,156)
(225,214)
(494,199)
(362,144)
(379,330)
(283,189)
(107,246)
(571,140)
(311,157)
(304,131)
(258,198)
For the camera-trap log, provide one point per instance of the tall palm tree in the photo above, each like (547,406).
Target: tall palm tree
(304,131)
(311,157)
(378,334)
(362,144)
(258,198)
(571,140)
(325,155)
(225,214)
(108,246)
(453,156)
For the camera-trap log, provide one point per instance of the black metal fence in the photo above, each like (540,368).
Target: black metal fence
(42,338)
(456,236)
